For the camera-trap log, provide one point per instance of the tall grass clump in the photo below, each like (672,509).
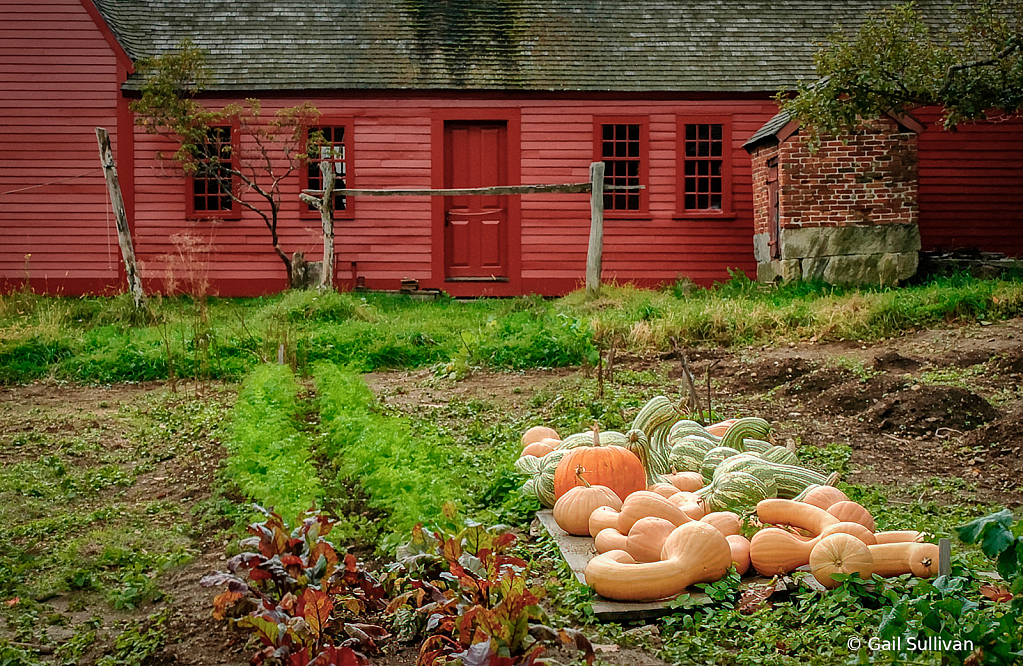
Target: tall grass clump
(743,312)
(407,471)
(269,457)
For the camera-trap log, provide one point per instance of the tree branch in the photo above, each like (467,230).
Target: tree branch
(1014,45)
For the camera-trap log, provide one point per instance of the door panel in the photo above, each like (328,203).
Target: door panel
(475,227)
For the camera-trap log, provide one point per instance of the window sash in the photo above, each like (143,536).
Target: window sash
(622,149)
(213,182)
(336,149)
(704,155)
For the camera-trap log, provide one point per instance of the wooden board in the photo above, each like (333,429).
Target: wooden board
(578,551)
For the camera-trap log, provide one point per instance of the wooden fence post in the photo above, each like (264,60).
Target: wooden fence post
(596,249)
(327,218)
(106,158)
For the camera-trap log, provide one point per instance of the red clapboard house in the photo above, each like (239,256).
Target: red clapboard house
(418,94)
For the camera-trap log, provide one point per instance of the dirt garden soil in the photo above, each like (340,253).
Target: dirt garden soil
(942,404)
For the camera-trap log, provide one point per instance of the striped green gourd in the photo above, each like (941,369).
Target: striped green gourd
(653,465)
(687,455)
(750,445)
(656,419)
(685,428)
(791,479)
(540,471)
(545,479)
(713,458)
(735,491)
(654,413)
(748,427)
(606,438)
(780,454)
(830,481)
(683,458)
(802,496)
(749,463)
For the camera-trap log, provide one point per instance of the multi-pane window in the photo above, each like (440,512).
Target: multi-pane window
(704,167)
(332,147)
(212,181)
(622,154)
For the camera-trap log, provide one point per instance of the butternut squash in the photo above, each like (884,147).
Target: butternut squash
(601,518)
(538,449)
(537,434)
(664,489)
(573,509)
(609,539)
(646,538)
(726,522)
(644,503)
(847,511)
(739,546)
(776,551)
(899,536)
(688,481)
(798,514)
(824,496)
(895,559)
(693,553)
(840,553)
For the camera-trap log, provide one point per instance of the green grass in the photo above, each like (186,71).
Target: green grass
(102,340)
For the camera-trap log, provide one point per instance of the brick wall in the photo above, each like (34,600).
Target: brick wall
(848,211)
(761,194)
(867,177)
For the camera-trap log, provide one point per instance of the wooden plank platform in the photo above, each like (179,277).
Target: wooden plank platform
(578,551)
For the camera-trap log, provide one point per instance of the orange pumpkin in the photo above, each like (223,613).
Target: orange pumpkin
(612,466)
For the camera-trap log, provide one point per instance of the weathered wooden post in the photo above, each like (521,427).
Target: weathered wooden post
(327,218)
(596,249)
(106,158)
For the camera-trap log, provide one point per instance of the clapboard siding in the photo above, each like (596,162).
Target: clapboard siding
(971,185)
(58,82)
(392,238)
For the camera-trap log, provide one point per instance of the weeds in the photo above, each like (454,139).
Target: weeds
(102,340)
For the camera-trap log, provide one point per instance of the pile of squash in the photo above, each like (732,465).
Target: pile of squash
(663,503)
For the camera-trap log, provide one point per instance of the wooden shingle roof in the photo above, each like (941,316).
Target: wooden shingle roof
(546,45)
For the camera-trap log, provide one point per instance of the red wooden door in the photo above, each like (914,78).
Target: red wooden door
(774,210)
(476,227)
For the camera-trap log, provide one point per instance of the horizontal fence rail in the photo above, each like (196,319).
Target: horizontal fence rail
(595,188)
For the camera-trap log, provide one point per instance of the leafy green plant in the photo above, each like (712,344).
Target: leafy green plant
(269,455)
(138,643)
(407,470)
